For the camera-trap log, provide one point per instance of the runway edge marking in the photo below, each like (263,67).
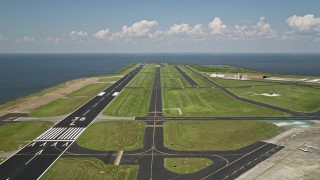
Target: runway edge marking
(83,129)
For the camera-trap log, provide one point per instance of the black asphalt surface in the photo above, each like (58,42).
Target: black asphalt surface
(188,78)
(155,107)
(32,161)
(208,118)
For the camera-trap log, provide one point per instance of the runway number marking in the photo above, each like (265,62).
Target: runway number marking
(66,144)
(35,155)
(75,119)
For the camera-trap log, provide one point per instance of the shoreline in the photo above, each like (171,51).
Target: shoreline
(55,92)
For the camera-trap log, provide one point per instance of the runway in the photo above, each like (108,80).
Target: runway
(188,78)
(155,107)
(36,157)
(214,118)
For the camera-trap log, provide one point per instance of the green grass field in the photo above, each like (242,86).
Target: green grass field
(215,135)
(16,135)
(109,79)
(143,79)
(89,169)
(171,78)
(200,80)
(130,102)
(126,69)
(70,102)
(186,165)
(113,135)
(220,69)
(168,69)
(232,82)
(149,68)
(297,98)
(209,102)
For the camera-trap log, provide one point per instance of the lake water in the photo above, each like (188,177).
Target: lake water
(22,74)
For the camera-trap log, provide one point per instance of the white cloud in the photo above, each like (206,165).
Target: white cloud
(138,29)
(305,23)
(216,26)
(77,35)
(26,39)
(186,29)
(53,40)
(3,38)
(102,34)
(262,29)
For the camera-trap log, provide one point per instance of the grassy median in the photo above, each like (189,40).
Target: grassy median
(130,102)
(297,98)
(210,102)
(142,79)
(215,135)
(113,135)
(16,135)
(171,78)
(89,168)
(186,165)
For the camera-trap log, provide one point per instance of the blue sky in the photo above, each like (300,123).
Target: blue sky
(214,26)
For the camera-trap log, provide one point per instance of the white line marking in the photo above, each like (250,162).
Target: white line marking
(86,112)
(37,154)
(95,105)
(50,140)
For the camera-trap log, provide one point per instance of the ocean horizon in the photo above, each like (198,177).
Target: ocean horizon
(25,73)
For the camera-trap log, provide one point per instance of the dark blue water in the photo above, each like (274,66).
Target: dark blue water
(21,74)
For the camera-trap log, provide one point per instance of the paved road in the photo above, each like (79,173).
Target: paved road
(155,107)
(188,78)
(35,158)
(147,118)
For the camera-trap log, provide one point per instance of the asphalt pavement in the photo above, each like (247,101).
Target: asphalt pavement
(155,107)
(188,78)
